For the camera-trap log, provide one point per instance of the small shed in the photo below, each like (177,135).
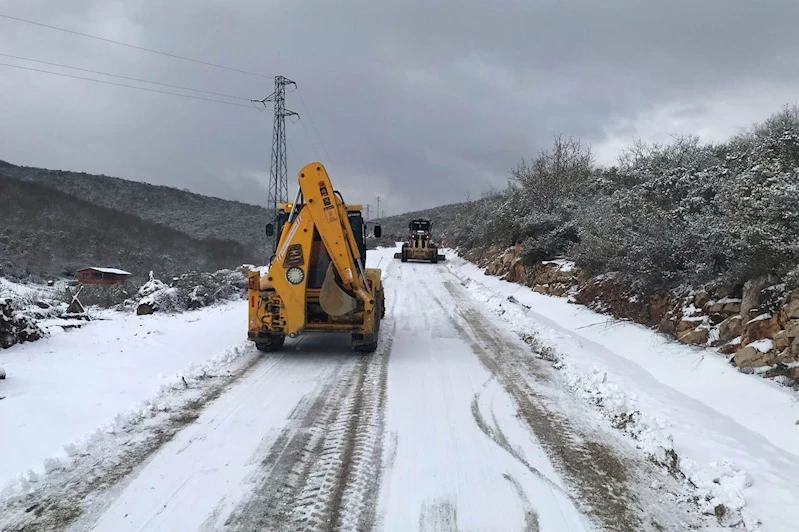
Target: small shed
(102,276)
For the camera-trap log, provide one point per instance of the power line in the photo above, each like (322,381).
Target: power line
(134,46)
(310,140)
(313,124)
(127,86)
(125,77)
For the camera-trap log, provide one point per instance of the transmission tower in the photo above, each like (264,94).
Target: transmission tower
(278,175)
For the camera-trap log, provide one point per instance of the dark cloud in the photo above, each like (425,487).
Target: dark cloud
(420,102)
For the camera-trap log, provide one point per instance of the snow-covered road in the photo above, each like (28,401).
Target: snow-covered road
(458,422)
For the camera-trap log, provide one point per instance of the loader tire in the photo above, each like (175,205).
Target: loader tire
(434,257)
(404,257)
(371,347)
(270,343)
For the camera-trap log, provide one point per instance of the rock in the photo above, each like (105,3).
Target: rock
(42,305)
(752,294)
(144,309)
(716,318)
(749,357)
(781,341)
(697,336)
(779,370)
(792,329)
(764,326)
(558,289)
(795,347)
(658,307)
(730,328)
(725,290)
(730,348)
(507,258)
(540,288)
(516,273)
(687,324)
(667,325)
(701,298)
(792,308)
(786,357)
(731,308)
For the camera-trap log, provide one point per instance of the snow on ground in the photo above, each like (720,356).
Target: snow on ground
(446,413)
(31,292)
(62,388)
(735,437)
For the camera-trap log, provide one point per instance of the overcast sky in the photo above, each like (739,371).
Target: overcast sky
(419,102)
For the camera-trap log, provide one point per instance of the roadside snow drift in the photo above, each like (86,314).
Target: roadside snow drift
(735,438)
(64,387)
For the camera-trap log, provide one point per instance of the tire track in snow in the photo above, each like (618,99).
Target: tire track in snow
(324,474)
(612,485)
(286,466)
(69,491)
(496,435)
(594,471)
(530,517)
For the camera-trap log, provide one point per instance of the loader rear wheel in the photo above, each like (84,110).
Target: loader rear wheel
(434,256)
(404,257)
(269,343)
(370,347)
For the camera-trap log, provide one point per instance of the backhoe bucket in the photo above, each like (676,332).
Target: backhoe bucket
(333,299)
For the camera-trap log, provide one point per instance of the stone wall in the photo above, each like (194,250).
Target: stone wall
(755,326)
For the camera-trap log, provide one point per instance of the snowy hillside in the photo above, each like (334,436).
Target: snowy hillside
(46,233)
(195,215)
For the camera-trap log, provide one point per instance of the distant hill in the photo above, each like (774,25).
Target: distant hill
(193,214)
(46,232)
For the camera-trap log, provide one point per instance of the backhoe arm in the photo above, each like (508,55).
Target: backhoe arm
(329,215)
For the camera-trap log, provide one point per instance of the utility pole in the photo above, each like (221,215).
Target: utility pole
(368,212)
(278,174)
(378,207)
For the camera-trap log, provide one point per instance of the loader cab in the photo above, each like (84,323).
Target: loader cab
(319,259)
(276,227)
(319,256)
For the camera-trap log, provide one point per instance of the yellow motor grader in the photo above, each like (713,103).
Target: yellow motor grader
(317,280)
(420,245)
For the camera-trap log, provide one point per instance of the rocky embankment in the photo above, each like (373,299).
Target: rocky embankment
(755,325)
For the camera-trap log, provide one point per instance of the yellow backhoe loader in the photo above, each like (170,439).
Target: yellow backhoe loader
(420,245)
(317,280)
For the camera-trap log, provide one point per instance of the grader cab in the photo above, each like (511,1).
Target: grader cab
(420,245)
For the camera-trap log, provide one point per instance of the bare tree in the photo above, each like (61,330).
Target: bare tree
(554,174)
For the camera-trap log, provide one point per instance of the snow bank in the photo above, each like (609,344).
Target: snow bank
(68,384)
(175,393)
(683,406)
